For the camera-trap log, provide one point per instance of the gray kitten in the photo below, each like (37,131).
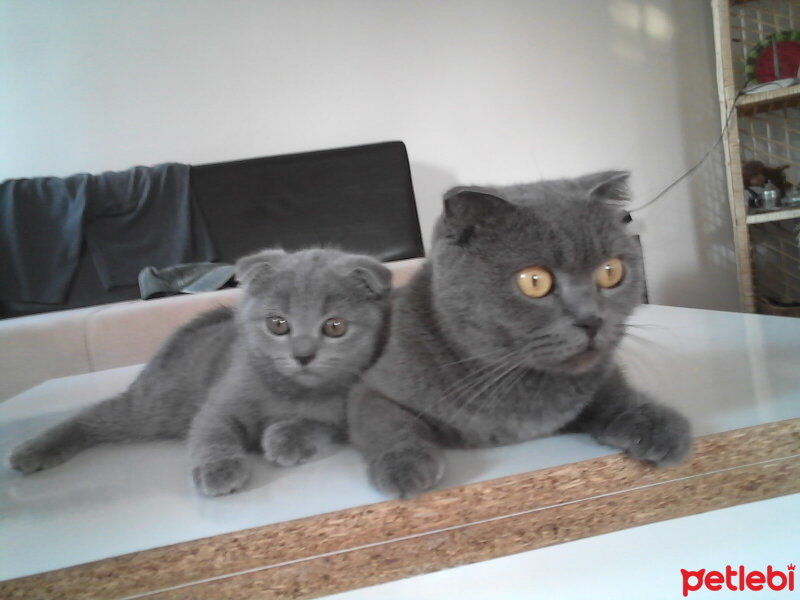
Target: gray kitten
(270,374)
(508,333)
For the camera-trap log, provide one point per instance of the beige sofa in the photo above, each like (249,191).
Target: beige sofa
(40,347)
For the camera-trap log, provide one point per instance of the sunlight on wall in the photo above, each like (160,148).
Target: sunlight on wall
(643,17)
(639,23)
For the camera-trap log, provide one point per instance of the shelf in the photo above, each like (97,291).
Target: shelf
(765,127)
(759,102)
(790,212)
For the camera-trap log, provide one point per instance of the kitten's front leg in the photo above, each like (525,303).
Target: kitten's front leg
(217,452)
(625,418)
(402,456)
(292,442)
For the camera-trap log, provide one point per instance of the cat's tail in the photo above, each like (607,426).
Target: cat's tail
(117,419)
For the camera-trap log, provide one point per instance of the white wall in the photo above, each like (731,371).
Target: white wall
(491,91)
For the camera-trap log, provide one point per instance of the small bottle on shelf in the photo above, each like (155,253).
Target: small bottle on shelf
(794,195)
(770,196)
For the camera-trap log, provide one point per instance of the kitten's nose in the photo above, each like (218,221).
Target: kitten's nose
(304,349)
(590,324)
(304,360)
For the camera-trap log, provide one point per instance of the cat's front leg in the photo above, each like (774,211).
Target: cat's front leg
(625,418)
(403,459)
(50,448)
(102,422)
(217,453)
(292,442)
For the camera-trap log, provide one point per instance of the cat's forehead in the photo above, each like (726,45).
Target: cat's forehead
(310,286)
(563,233)
(542,192)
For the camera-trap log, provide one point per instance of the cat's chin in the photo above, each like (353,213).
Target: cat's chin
(582,362)
(307,379)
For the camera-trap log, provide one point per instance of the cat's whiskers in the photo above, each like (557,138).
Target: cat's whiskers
(475,357)
(644,326)
(491,397)
(643,341)
(476,373)
(637,360)
(475,378)
(492,378)
(471,406)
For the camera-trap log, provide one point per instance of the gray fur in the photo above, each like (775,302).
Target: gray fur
(472,362)
(229,385)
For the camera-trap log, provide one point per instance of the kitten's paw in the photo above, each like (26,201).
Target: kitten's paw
(651,432)
(221,476)
(289,443)
(36,455)
(406,472)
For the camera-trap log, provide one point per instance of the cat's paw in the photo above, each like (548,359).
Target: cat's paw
(406,472)
(651,432)
(36,455)
(221,476)
(289,443)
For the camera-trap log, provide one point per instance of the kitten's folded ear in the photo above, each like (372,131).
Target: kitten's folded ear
(466,208)
(608,186)
(256,268)
(371,277)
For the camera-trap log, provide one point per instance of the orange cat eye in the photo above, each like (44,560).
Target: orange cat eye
(610,273)
(535,282)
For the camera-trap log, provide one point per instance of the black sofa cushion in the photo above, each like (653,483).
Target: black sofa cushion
(358,199)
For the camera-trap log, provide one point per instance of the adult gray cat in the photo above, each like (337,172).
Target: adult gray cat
(508,333)
(270,374)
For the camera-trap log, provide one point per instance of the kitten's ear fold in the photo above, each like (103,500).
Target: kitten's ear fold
(257,268)
(608,186)
(467,208)
(369,276)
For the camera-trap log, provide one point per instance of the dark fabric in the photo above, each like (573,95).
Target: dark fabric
(359,199)
(143,216)
(41,232)
(190,278)
(129,219)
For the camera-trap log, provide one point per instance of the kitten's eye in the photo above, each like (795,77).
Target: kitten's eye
(535,282)
(278,325)
(334,327)
(610,273)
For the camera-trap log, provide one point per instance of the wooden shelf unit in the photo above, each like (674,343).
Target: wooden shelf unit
(762,126)
(771,100)
(789,212)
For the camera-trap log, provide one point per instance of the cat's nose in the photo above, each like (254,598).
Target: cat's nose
(304,349)
(304,360)
(591,325)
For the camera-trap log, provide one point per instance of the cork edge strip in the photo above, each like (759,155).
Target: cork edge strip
(458,546)
(244,554)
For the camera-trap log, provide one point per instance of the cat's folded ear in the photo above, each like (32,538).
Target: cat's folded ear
(608,186)
(467,208)
(370,277)
(257,268)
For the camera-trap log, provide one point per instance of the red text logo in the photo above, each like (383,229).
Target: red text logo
(738,580)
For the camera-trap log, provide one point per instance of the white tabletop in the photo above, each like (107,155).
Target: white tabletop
(723,370)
